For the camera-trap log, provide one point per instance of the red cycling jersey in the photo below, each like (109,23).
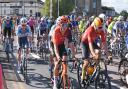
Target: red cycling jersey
(90,35)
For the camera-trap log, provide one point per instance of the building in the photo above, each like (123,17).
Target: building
(20,7)
(88,7)
(109,11)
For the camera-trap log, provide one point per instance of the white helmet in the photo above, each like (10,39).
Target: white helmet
(43,19)
(120,18)
(103,16)
(58,19)
(7,18)
(23,20)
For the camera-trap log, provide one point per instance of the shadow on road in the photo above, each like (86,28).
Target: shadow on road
(38,81)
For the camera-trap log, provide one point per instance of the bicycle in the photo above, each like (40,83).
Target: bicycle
(8,46)
(24,63)
(73,63)
(123,69)
(98,75)
(43,47)
(61,82)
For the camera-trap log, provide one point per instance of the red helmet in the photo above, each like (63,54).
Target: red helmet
(64,19)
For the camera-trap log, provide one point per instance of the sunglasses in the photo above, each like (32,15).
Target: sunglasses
(23,25)
(100,27)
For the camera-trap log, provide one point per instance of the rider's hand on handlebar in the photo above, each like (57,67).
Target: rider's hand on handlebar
(96,56)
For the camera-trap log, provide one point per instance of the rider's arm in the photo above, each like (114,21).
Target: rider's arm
(3,26)
(56,51)
(104,45)
(55,42)
(91,46)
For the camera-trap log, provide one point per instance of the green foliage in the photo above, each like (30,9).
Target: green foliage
(124,13)
(65,7)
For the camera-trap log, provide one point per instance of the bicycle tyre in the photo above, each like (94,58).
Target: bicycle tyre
(119,71)
(79,72)
(8,58)
(100,83)
(25,77)
(69,84)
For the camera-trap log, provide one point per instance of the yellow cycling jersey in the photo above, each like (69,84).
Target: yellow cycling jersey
(110,27)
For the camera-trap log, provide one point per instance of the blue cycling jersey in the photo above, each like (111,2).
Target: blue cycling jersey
(21,33)
(23,40)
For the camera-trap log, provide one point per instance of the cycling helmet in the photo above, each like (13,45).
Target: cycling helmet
(120,18)
(92,18)
(58,20)
(7,18)
(23,20)
(72,17)
(115,18)
(103,17)
(63,19)
(43,18)
(98,22)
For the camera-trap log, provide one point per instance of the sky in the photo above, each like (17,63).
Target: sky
(119,5)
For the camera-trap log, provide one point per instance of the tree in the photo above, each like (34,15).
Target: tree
(124,13)
(65,7)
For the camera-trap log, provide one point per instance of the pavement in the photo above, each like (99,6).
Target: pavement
(38,74)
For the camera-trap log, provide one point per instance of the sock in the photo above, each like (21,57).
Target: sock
(56,80)
(83,74)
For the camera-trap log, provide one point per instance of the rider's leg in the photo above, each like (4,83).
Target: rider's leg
(85,54)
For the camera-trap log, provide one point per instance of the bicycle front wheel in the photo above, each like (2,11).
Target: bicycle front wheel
(123,71)
(102,81)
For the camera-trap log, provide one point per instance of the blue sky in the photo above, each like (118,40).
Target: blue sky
(119,5)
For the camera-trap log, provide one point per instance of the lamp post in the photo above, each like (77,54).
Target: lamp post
(50,8)
(58,7)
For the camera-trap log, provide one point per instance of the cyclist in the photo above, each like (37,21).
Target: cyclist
(52,58)
(89,45)
(110,26)
(89,22)
(118,29)
(24,37)
(42,30)
(31,23)
(7,27)
(58,38)
(104,18)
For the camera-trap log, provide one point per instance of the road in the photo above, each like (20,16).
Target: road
(38,74)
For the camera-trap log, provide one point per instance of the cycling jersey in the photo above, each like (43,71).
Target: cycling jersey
(8,25)
(90,35)
(74,23)
(57,37)
(118,26)
(31,22)
(82,26)
(43,26)
(110,27)
(126,26)
(51,31)
(23,35)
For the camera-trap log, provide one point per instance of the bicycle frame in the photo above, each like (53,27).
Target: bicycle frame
(24,63)
(64,75)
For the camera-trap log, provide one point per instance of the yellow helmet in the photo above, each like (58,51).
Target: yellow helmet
(98,22)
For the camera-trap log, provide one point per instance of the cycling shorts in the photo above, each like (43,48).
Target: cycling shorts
(61,48)
(86,50)
(23,41)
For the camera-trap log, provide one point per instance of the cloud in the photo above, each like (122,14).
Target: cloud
(119,5)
